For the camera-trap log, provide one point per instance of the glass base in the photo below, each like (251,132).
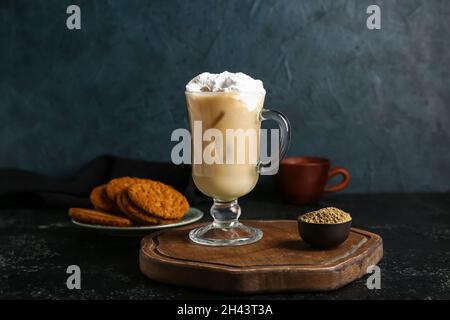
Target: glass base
(232,235)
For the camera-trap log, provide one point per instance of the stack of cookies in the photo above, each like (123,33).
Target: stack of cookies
(131,201)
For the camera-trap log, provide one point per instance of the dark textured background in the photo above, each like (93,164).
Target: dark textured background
(374,101)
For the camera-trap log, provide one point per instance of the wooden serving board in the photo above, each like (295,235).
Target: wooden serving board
(279,262)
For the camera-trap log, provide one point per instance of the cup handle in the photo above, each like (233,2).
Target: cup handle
(345,179)
(285,138)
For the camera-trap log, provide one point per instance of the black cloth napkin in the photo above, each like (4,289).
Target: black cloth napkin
(25,189)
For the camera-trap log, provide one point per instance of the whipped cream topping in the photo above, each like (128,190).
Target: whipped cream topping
(224,82)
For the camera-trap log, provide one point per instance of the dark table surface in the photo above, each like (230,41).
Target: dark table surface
(36,247)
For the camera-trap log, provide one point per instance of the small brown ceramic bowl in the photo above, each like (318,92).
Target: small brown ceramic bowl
(323,236)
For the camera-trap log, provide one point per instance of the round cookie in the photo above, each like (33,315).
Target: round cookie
(131,211)
(137,214)
(159,200)
(100,200)
(97,217)
(116,186)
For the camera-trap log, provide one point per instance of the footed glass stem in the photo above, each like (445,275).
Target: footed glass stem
(226,230)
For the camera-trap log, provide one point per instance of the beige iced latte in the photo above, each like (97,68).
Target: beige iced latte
(230,105)
(225,113)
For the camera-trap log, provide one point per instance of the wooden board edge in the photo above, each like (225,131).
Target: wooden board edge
(148,246)
(247,283)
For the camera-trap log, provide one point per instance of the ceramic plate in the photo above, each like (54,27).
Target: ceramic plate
(191,216)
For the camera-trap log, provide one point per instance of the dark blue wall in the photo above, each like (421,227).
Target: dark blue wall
(377,102)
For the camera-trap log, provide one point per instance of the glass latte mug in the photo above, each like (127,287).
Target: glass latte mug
(225,132)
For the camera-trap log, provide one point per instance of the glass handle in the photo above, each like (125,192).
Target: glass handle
(270,167)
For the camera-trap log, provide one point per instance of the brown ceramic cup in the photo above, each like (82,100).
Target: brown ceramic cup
(303,180)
